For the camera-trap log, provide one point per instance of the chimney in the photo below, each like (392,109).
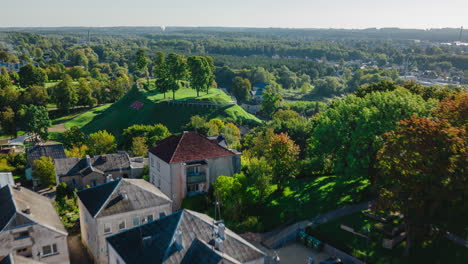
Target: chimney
(88,160)
(178,239)
(219,244)
(27,210)
(109,178)
(221,229)
(123,195)
(18,186)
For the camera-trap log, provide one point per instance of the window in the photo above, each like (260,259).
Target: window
(195,170)
(122,225)
(107,228)
(73,182)
(136,221)
(49,250)
(21,235)
(162,214)
(150,218)
(93,183)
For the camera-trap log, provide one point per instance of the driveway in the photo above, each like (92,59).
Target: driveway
(78,253)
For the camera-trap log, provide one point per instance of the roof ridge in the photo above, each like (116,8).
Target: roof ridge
(177,147)
(107,199)
(218,145)
(173,234)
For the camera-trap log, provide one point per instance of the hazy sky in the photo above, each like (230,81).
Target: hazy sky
(242,13)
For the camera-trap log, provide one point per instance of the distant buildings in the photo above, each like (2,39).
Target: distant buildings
(30,227)
(187,164)
(92,171)
(16,66)
(182,237)
(116,206)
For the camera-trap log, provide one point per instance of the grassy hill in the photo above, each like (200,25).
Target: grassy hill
(120,115)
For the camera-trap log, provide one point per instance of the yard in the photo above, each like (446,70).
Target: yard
(438,251)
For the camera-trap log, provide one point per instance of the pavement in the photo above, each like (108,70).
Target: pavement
(78,253)
(298,253)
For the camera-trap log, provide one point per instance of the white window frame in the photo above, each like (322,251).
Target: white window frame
(110,228)
(125,225)
(53,250)
(136,218)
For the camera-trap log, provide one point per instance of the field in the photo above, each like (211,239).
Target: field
(149,107)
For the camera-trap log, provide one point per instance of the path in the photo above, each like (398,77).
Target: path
(77,252)
(287,234)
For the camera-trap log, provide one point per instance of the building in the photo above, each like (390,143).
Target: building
(30,226)
(116,206)
(6,178)
(53,151)
(256,94)
(91,171)
(182,237)
(187,164)
(17,259)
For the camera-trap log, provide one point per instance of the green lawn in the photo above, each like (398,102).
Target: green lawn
(439,251)
(114,118)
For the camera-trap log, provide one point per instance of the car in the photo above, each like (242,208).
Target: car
(332,260)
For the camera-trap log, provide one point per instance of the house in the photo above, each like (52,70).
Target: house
(30,226)
(17,259)
(91,171)
(182,237)
(187,164)
(54,151)
(115,206)
(256,94)
(6,178)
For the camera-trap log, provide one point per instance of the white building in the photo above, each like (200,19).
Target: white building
(113,207)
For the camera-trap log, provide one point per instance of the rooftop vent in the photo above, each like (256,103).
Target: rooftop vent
(219,244)
(221,229)
(109,178)
(123,195)
(18,186)
(178,239)
(27,210)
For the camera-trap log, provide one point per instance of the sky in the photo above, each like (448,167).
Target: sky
(236,13)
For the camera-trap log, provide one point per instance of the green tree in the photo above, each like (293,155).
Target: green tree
(151,133)
(84,93)
(44,170)
(101,142)
(241,89)
(36,121)
(31,75)
(259,175)
(349,133)
(200,73)
(230,193)
(36,95)
(329,85)
(139,147)
(65,95)
(282,154)
(177,71)
(423,176)
(73,137)
(141,62)
(271,101)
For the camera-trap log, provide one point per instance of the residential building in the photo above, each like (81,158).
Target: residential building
(182,237)
(30,226)
(17,259)
(256,94)
(188,164)
(91,171)
(54,151)
(6,178)
(116,206)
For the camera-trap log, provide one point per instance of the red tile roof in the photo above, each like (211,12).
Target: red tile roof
(188,146)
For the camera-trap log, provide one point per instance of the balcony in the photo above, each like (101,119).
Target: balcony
(196,177)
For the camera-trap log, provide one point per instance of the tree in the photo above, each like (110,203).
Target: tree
(241,88)
(329,85)
(101,142)
(423,176)
(271,101)
(455,110)
(65,95)
(36,121)
(139,147)
(177,70)
(282,154)
(85,93)
(151,134)
(349,133)
(259,174)
(162,74)
(36,95)
(381,86)
(31,75)
(230,192)
(232,134)
(44,170)
(141,62)
(200,73)
(77,151)
(5,79)
(73,137)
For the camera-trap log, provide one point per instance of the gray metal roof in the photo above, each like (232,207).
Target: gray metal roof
(99,163)
(154,242)
(54,151)
(121,196)
(14,202)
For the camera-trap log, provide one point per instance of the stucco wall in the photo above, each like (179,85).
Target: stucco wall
(39,236)
(82,182)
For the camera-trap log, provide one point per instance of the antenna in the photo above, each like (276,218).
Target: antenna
(88,36)
(461,34)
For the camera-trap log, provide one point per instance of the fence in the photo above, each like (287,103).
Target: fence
(201,103)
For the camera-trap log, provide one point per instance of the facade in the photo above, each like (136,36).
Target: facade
(17,259)
(91,171)
(30,227)
(188,164)
(116,206)
(6,178)
(182,237)
(54,151)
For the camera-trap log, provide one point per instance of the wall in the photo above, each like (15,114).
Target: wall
(82,182)
(88,230)
(114,258)
(39,236)
(161,177)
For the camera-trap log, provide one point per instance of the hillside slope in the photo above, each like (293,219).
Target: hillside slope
(150,108)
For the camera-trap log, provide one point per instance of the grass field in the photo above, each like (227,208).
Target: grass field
(439,251)
(118,116)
